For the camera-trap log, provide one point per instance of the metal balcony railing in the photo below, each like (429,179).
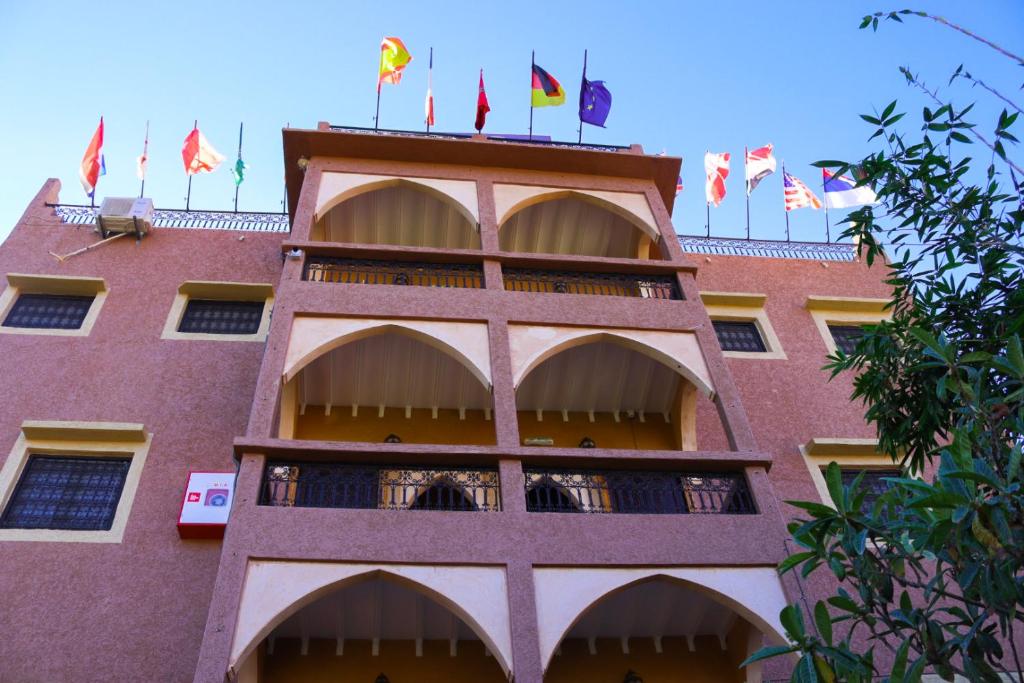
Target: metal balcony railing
(601,284)
(373,272)
(380,487)
(633,492)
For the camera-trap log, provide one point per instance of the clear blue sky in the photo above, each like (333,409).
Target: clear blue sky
(685,77)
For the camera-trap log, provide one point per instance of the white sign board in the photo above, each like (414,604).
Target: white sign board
(207,500)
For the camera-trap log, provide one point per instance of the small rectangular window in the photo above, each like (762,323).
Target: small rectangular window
(873,482)
(75,492)
(846,336)
(209,316)
(49,311)
(738,336)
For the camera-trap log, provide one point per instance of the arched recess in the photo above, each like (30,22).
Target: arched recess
(273,591)
(565,595)
(423,212)
(549,220)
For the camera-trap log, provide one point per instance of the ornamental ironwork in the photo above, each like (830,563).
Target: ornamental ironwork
(601,284)
(380,487)
(75,214)
(738,335)
(817,251)
(49,311)
(638,492)
(375,272)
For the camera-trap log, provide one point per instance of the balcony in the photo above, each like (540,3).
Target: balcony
(636,492)
(376,272)
(599,284)
(379,487)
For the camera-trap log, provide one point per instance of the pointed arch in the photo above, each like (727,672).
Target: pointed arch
(275,590)
(631,207)
(337,188)
(564,596)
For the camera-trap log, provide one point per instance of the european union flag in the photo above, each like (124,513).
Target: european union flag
(595,103)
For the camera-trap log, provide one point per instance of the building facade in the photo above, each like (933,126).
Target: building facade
(476,409)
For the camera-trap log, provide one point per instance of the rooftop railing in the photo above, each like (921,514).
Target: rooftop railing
(514,139)
(725,246)
(601,284)
(638,492)
(76,214)
(376,272)
(380,487)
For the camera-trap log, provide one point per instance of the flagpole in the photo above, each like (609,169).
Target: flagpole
(532,63)
(708,225)
(238,182)
(380,65)
(430,74)
(824,203)
(583,83)
(746,182)
(784,199)
(188,196)
(145,156)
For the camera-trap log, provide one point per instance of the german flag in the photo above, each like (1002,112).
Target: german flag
(547,92)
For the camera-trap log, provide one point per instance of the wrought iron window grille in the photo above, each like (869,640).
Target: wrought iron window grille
(874,483)
(739,336)
(209,316)
(636,492)
(380,487)
(408,273)
(71,493)
(49,311)
(846,337)
(600,284)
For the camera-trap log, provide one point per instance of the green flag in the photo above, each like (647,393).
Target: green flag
(238,171)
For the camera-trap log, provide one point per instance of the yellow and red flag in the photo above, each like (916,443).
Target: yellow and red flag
(93,165)
(547,92)
(393,60)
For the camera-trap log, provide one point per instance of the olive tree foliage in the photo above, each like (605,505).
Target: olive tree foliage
(930,574)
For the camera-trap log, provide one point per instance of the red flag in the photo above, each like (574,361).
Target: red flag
(481,105)
(89,171)
(198,154)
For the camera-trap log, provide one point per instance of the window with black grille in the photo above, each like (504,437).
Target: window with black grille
(49,311)
(209,316)
(738,336)
(76,493)
(846,336)
(873,483)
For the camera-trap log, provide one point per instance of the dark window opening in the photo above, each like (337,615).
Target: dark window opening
(846,337)
(49,311)
(74,493)
(739,336)
(443,495)
(873,483)
(207,316)
(547,496)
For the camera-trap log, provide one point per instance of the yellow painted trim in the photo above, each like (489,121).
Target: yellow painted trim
(60,430)
(20,283)
(86,439)
(223,291)
(839,310)
(846,304)
(744,299)
(745,307)
(862,453)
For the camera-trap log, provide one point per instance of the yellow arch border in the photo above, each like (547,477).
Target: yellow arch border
(511,199)
(268,600)
(337,188)
(306,345)
(564,590)
(693,370)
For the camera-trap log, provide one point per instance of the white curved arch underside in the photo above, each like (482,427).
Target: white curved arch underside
(631,205)
(337,187)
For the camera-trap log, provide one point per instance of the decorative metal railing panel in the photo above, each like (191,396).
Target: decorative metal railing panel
(602,284)
(380,487)
(175,218)
(818,251)
(516,139)
(635,492)
(418,273)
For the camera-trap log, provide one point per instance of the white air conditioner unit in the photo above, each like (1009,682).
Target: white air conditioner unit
(125,214)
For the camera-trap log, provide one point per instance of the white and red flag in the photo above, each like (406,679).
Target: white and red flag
(92,162)
(199,155)
(759,164)
(717,168)
(143,161)
(428,106)
(798,195)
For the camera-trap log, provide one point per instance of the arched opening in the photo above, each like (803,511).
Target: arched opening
(443,494)
(398,212)
(663,629)
(544,495)
(388,384)
(577,224)
(606,392)
(375,624)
